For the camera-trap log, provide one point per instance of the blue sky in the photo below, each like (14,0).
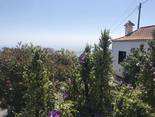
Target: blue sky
(66,23)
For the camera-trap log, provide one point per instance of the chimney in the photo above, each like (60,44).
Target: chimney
(129,27)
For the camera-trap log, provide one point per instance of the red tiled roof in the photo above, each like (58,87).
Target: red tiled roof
(144,33)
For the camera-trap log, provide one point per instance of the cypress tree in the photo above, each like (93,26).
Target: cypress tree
(103,73)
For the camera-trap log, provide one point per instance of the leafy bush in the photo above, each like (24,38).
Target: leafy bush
(65,106)
(133,65)
(128,103)
(12,87)
(38,96)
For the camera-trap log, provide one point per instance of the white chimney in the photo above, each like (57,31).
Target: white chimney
(129,27)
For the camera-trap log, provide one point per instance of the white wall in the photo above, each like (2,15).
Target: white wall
(3,113)
(124,46)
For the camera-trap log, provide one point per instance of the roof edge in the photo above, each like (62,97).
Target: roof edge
(147,26)
(115,40)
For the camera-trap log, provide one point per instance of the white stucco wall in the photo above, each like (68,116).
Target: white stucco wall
(124,46)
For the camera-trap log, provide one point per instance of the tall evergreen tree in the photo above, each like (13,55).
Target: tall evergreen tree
(103,73)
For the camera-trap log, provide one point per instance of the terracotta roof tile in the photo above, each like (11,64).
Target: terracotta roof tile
(144,33)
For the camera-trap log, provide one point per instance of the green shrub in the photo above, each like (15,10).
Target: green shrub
(128,103)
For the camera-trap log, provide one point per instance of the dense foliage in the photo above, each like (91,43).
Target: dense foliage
(12,87)
(38,96)
(103,74)
(139,71)
(128,103)
(133,65)
(41,82)
(151,78)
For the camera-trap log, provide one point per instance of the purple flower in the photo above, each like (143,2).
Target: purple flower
(82,58)
(54,113)
(65,96)
(153,65)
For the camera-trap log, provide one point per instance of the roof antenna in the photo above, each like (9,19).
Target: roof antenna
(139,14)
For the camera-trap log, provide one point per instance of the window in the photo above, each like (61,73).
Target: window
(121,56)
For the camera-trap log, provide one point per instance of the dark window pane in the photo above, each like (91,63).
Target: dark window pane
(121,56)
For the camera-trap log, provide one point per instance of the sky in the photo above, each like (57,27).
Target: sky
(69,24)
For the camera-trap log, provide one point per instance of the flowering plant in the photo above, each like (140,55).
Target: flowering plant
(82,58)
(54,113)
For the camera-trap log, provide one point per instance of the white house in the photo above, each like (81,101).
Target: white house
(133,39)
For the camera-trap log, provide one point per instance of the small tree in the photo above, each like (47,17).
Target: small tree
(39,92)
(103,74)
(86,69)
(133,65)
(139,69)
